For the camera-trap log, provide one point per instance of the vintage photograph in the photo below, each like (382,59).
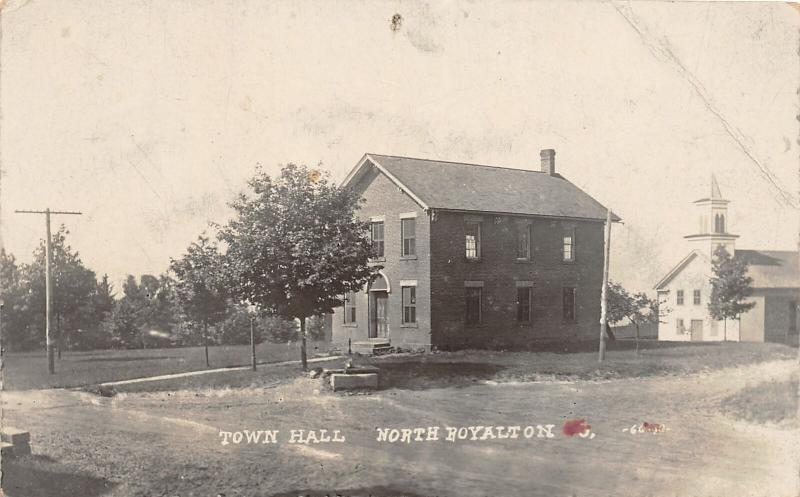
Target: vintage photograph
(399,248)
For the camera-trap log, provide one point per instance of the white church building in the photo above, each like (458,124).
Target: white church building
(686,289)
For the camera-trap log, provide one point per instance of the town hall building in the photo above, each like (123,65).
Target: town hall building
(686,289)
(473,256)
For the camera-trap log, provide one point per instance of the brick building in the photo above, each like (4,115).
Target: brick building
(474,256)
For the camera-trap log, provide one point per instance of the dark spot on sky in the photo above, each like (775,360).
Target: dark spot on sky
(397,22)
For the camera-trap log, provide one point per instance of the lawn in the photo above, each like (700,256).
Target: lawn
(465,368)
(29,370)
(770,402)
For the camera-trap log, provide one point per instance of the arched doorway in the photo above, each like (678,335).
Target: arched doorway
(378,307)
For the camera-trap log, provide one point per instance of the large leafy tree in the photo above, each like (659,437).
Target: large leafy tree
(200,286)
(145,315)
(295,245)
(636,308)
(730,287)
(12,323)
(74,287)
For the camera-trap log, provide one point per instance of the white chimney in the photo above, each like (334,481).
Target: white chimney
(548,161)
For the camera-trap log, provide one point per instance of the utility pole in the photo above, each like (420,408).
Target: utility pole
(604,291)
(48,279)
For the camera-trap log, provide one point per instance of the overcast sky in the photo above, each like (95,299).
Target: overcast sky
(148,116)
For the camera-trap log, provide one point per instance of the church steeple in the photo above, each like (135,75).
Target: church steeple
(713,223)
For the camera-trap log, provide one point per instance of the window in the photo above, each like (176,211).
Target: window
(409,304)
(524,304)
(568,248)
(524,238)
(408,229)
(696,297)
(472,238)
(350,308)
(473,305)
(680,330)
(376,234)
(679,297)
(568,304)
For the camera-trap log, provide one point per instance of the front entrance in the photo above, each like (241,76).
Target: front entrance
(697,330)
(377,314)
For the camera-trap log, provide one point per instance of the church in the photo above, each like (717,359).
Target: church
(686,289)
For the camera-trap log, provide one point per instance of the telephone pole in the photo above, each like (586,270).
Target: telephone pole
(604,291)
(48,283)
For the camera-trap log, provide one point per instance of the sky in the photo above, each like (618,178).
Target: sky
(149,116)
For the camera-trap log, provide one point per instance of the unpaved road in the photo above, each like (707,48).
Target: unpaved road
(160,444)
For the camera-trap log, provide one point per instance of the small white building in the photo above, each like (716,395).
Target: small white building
(686,289)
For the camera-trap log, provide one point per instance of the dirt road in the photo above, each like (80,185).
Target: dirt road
(169,444)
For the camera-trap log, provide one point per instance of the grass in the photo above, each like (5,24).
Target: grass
(22,371)
(770,402)
(466,368)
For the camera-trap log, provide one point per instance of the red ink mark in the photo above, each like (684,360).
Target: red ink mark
(574,427)
(652,427)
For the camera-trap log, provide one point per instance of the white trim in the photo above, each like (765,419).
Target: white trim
(377,219)
(473,284)
(524,284)
(408,282)
(408,215)
(674,272)
(388,285)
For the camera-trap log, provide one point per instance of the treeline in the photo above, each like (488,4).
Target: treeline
(148,312)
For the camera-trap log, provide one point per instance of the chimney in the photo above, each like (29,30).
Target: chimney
(548,161)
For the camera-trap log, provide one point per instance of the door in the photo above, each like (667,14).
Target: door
(697,330)
(378,320)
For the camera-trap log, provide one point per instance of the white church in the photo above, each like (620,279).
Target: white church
(686,289)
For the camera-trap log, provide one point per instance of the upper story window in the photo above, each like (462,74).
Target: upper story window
(350,308)
(719,223)
(408,229)
(568,303)
(524,242)
(696,297)
(568,245)
(679,297)
(472,239)
(376,234)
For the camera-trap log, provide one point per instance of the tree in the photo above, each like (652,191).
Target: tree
(295,245)
(74,288)
(145,315)
(730,287)
(637,308)
(200,286)
(12,325)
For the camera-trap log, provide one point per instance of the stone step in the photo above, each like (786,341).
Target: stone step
(6,449)
(19,439)
(362,381)
(371,347)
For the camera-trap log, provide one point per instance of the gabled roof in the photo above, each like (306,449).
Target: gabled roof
(768,268)
(677,269)
(471,187)
(772,268)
